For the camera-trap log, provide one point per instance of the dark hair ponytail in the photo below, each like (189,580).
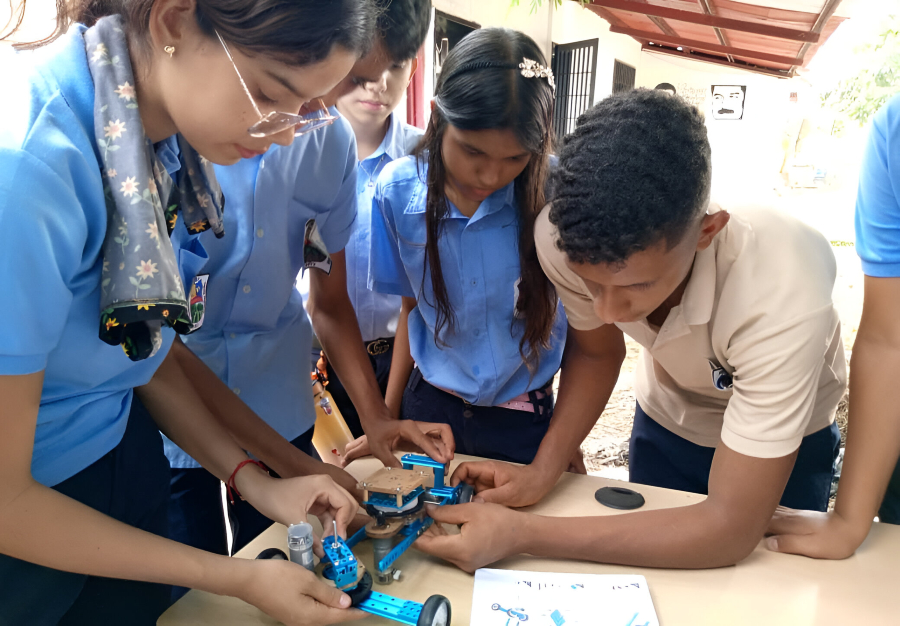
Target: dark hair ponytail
(298,32)
(481,87)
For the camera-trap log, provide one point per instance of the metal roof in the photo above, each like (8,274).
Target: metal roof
(774,38)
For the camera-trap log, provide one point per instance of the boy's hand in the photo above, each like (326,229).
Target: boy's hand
(504,483)
(489,533)
(814,534)
(435,440)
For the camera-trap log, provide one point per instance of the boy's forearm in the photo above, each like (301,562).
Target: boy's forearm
(689,537)
(401,361)
(338,331)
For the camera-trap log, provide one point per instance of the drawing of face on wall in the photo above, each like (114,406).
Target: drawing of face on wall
(728,101)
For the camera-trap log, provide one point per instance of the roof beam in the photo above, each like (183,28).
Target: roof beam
(707,20)
(710,9)
(716,61)
(643,35)
(825,14)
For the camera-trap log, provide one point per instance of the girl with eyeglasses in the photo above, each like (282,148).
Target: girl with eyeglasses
(107,140)
(452,233)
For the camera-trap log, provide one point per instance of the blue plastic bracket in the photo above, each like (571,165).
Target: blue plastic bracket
(343,564)
(410,460)
(412,533)
(403,611)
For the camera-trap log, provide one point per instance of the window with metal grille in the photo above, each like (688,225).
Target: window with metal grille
(623,77)
(574,68)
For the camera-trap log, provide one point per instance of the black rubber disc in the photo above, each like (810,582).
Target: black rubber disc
(272,553)
(362,590)
(619,498)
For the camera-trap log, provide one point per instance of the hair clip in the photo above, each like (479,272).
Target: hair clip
(531,69)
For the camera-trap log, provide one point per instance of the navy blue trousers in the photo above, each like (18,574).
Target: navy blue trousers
(486,431)
(129,484)
(659,457)
(890,506)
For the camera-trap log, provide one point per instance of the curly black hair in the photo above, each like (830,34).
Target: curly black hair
(403,25)
(635,171)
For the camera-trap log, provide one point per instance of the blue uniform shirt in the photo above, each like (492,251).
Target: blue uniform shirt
(52,225)
(480,262)
(377,313)
(256,335)
(878,198)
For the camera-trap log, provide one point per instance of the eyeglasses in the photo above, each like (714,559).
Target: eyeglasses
(315,113)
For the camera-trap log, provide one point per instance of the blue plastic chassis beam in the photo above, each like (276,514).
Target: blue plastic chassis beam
(403,611)
(412,533)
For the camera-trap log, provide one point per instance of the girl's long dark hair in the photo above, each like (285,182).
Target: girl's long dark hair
(298,32)
(481,87)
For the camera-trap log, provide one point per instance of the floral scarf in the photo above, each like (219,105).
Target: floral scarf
(141,285)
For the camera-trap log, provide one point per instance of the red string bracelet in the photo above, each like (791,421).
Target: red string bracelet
(230,485)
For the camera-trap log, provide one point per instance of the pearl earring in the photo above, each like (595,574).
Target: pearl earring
(170,50)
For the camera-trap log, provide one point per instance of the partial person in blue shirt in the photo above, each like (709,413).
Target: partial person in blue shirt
(94,174)
(250,360)
(452,234)
(870,476)
(381,137)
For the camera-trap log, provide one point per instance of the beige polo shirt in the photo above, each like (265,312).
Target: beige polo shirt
(757,309)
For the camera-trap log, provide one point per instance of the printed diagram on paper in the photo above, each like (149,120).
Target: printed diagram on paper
(515,598)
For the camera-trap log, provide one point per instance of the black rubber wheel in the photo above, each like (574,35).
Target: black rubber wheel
(435,612)
(362,590)
(272,553)
(465,493)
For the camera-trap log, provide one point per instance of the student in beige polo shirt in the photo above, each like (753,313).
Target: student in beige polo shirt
(742,367)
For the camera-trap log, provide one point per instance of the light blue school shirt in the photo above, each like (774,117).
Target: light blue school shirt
(256,335)
(52,225)
(377,313)
(480,262)
(878,197)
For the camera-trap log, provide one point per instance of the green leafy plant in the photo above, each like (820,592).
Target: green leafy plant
(862,95)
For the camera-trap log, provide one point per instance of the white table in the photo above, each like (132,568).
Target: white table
(764,589)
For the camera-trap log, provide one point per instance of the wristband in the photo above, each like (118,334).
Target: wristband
(230,485)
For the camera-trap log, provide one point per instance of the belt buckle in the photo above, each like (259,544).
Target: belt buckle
(379,346)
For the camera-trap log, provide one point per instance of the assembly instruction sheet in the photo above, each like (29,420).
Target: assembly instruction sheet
(513,598)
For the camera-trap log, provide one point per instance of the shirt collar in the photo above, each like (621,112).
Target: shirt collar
(168,153)
(495,202)
(699,294)
(393,144)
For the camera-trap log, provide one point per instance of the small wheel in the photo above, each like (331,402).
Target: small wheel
(362,590)
(435,612)
(272,553)
(465,493)
(495,607)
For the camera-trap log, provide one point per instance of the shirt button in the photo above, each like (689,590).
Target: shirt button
(237,391)
(474,282)
(259,232)
(262,164)
(232,335)
(246,288)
